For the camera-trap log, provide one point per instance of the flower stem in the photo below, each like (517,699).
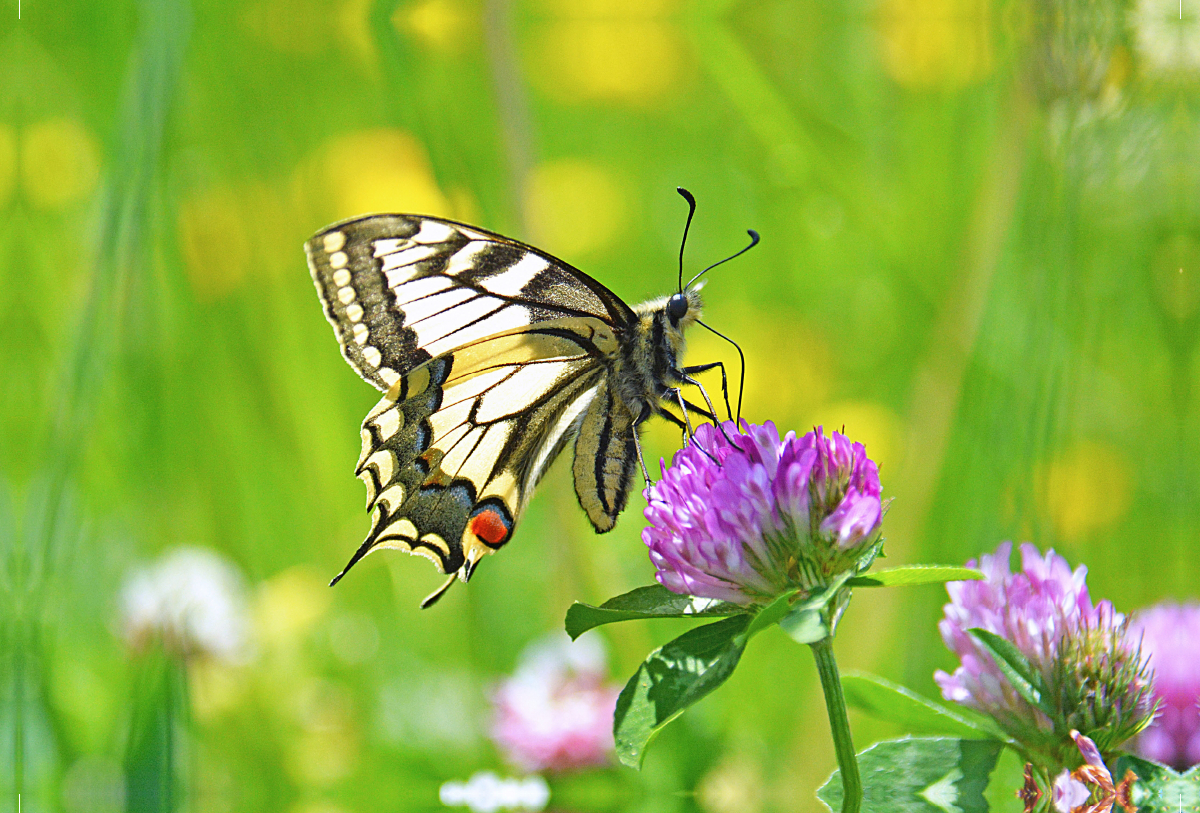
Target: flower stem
(835,706)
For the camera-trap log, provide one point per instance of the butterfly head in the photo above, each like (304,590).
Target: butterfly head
(683,308)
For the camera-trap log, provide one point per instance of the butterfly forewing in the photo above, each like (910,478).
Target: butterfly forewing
(401,289)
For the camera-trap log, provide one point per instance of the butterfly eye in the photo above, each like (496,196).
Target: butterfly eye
(677,307)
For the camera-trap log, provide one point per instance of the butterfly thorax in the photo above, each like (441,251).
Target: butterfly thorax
(648,365)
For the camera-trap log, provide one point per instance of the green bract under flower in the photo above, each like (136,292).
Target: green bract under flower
(743,516)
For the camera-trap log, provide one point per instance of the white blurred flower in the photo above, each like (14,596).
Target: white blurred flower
(1166,36)
(191,599)
(555,713)
(487,793)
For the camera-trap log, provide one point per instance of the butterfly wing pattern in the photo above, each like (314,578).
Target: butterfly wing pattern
(492,356)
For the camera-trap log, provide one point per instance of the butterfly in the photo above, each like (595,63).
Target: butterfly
(492,356)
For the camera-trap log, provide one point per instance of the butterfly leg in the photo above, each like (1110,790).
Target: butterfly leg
(687,379)
(702,368)
(687,423)
(647,411)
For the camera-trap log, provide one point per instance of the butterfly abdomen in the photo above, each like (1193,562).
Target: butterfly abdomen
(640,373)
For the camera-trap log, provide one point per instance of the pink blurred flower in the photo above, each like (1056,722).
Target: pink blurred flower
(1170,635)
(556,711)
(742,516)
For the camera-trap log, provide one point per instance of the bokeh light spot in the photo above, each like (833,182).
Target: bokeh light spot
(442,25)
(60,162)
(1086,489)
(873,425)
(936,43)
(353,638)
(215,688)
(289,604)
(384,170)
(8,162)
(635,61)
(214,242)
(573,207)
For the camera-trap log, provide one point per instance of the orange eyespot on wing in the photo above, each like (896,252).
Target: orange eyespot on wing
(491,524)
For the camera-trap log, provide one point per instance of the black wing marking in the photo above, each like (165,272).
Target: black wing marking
(402,289)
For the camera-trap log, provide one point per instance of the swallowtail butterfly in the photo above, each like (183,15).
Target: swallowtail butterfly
(492,356)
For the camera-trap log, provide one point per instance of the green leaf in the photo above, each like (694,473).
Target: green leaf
(921,775)
(806,622)
(920,715)
(654,601)
(1159,789)
(1016,667)
(673,677)
(772,613)
(911,575)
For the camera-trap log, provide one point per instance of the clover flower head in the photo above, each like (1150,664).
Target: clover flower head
(556,711)
(1095,676)
(1170,636)
(192,600)
(742,515)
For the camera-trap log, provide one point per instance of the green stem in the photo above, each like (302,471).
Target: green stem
(835,705)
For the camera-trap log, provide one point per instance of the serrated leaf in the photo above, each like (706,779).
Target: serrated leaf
(1159,789)
(911,575)
(921,775)
(673,677)
(898,704)
(654,601)
(1015,666)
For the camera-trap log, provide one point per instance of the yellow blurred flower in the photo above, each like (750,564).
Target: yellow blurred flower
(573,207)
(288,605)
(788,371)
(873,425)
(936,43)
(60,162)
(1086,489)
(322,758)
(215,688)
(443,25)
(8,162)
(214,241)
(608,51)
(383,170)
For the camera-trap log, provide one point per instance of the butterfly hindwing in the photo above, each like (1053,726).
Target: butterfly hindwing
(453,450)
(605,457)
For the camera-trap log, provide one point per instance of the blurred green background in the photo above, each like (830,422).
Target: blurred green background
(981,242)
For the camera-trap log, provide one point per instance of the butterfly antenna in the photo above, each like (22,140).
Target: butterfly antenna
(741,361)
(753,242)
(691,212)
